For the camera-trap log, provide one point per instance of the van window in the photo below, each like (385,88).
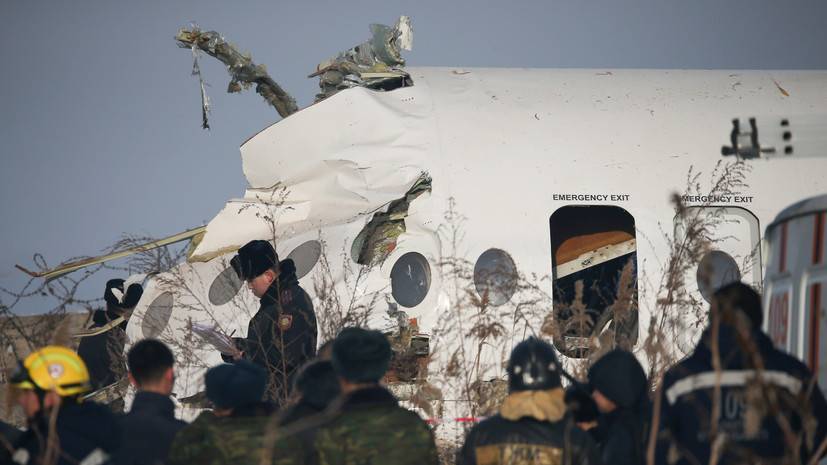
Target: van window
(594,271)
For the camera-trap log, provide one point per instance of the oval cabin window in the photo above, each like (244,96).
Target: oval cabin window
(495,276)
(410,279)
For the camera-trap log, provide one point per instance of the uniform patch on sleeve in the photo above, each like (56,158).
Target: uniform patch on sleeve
(285,322)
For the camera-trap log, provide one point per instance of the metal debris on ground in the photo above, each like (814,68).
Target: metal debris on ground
(375,64)
(243,71)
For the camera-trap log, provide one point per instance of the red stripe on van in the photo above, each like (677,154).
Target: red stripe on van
(818,239)
(815,321)
(782,261)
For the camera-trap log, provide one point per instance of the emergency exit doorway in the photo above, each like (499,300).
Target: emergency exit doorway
(594,277)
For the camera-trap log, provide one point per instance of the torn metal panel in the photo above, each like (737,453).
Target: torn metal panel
(243,71)
(333,192)
(375,63)
(306,172)
(378,238)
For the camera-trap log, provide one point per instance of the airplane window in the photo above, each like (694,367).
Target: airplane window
(495,276)
(157,315)
(736,235)
(305,257)
(716,270)
(594,269)
(410,279)
(224,287)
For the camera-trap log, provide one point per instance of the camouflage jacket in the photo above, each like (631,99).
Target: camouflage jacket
(371,428)
(212,440)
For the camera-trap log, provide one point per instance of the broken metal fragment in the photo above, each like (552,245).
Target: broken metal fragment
(376,63)
(378,238)
(194,234)
(243,71)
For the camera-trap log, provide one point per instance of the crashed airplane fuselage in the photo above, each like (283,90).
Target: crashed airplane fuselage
(559,173)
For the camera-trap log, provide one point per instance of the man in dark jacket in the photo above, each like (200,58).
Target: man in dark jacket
(620,390)
(233,432)
(317,386)
(532,427)
(150,426)
(366,425)
(737,396)
(50,384)
(8,436)
(281,336)
(102,350)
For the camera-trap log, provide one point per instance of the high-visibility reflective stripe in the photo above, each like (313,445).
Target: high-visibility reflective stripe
(96,457)
(729,378)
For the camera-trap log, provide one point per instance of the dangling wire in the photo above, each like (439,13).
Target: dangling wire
(205,100)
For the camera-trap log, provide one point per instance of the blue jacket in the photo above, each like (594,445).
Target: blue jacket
(746,427)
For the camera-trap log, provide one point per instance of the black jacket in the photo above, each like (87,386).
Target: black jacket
(82,429)
(281,336)
(8,436)
(103,353)
(622,433)
(498,441)
(147,430)
(685,423)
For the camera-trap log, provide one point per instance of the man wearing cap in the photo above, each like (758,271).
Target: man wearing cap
(736,398)
(621,392)
(49,386)
(103,352)
(367,425)
(232,432)
(281,336)
(317,387)
(532,426)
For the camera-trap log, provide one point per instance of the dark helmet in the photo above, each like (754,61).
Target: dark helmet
(533,366)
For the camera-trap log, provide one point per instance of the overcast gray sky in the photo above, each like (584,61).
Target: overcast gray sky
(100,119)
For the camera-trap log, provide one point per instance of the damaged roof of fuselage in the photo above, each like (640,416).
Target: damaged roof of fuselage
(356,151)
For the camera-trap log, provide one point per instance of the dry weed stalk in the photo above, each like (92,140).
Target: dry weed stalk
(677,312)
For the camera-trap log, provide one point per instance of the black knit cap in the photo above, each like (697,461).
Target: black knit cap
(361,355)
(317,383)
(254,258)
(738,296)
(233,385)
(620,378)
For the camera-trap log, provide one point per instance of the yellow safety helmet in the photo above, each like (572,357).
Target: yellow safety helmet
(53,368)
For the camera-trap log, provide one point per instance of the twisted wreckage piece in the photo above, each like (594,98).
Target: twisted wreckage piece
(243,71)
(375,63)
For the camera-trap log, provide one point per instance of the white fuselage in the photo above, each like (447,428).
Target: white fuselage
(505,148)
